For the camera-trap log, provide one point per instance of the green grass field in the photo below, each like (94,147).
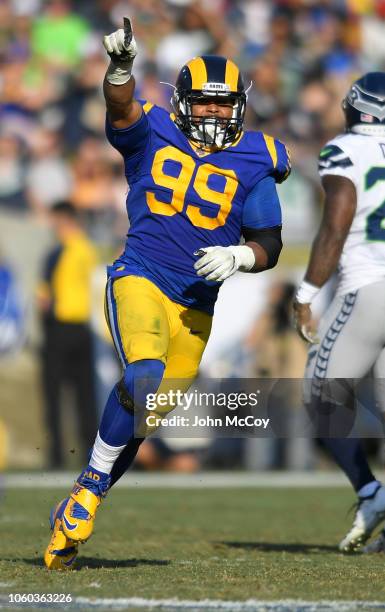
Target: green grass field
(230,544)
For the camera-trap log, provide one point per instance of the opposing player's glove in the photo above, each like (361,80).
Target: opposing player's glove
(122,49)
(218,263)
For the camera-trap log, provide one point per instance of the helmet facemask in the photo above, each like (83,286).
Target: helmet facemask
(209,131)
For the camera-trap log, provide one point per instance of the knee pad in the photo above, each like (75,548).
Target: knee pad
(147,373)
(332,411)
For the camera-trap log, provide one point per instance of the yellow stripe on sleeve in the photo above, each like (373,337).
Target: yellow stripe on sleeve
(232,75)
(270,145)
(198,73)
(147,107)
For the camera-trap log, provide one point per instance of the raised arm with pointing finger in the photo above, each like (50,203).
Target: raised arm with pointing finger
(119,83)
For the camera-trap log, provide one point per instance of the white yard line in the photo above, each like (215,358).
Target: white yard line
(202,480)
(174,605)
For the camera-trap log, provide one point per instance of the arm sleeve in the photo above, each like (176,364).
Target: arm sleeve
(269,239)
(333,159)
(262,208)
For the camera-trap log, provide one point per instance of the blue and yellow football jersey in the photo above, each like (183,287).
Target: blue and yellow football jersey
(182,198)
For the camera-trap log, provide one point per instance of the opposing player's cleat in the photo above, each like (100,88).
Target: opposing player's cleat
(79,513)
(370,512)
(61,552)
(377,546)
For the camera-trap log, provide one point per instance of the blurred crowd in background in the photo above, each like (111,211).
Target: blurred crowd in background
(300,57)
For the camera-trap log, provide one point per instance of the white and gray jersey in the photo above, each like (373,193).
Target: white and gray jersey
(362,160)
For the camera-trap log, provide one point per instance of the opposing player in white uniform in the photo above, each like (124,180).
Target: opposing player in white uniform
(351,336)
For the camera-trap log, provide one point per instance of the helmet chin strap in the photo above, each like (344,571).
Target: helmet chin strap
(369,130)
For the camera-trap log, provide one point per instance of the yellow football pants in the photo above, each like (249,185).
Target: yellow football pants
(146,324)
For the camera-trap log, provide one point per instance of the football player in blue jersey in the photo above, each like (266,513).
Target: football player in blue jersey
(198,183)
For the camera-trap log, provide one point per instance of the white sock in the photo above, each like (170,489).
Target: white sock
(104,456)
(368,489)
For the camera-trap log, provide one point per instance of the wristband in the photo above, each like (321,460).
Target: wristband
(306,292)
(244,257)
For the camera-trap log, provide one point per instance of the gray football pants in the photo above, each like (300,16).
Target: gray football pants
(352,342)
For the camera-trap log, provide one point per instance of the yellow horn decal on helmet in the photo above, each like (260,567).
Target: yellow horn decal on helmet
(231,76)
(198,72)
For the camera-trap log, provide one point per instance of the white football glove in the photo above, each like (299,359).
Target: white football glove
(218,263)
(122,49)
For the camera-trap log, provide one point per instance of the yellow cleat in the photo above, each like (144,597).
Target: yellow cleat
(61,551)
(79,513)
